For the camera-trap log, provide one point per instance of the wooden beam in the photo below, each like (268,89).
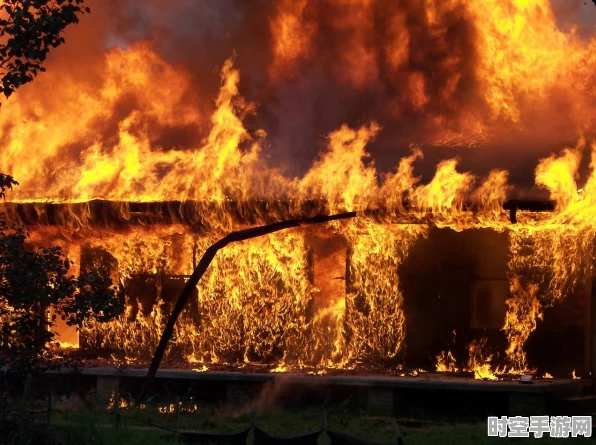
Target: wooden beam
(118,214)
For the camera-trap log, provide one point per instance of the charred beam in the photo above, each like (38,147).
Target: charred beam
(203,216)
(529,206)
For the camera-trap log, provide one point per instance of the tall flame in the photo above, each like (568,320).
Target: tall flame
(449,73)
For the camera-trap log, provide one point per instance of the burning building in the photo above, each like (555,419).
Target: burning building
(132,152)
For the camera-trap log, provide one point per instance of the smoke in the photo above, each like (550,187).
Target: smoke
(580,14)
(422,70)
(277,393)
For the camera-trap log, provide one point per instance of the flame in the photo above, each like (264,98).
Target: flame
(168,409)
(446,362)
(171,408)
(201,369)
(340,176)
(293,36)
(279,368)
(67,345)
(374,307)
(123,403)
(259,301)
(479,360)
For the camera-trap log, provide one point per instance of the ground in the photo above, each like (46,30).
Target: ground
(97,427)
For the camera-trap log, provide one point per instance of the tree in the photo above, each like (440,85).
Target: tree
(36,289)
(35,286)
(6,182)
(28,30)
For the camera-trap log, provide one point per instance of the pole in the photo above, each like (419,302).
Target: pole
(178,413)
(204,262)
(117,405)
(49,407)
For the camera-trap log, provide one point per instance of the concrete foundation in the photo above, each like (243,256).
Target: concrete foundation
(106,386)
(378,395)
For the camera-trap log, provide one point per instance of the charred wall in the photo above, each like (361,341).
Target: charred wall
(455,288)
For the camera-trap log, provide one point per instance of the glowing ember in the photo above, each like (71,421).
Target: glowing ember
(201,369)
(122,403)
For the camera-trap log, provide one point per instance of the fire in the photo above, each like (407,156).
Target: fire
(168,409)
(479,361)
(460,73)
(171,408)
(122,403)
(521,41)
(340,176)
(293,35)
(67,345)
(524,310)
(374,312)
(280,368)
(201,369)
(446,362)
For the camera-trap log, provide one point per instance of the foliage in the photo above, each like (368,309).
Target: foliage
(80,428)
(6,182)
(28,30)
(34,282)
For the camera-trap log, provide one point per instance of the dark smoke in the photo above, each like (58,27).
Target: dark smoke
(298,111)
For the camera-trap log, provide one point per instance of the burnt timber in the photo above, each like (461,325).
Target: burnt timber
(203,215)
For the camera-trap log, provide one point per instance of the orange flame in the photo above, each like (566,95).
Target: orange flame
(507,62)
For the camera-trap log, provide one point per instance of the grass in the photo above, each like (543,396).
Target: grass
(81,430)
(73,424)
(105,436)
(470,434)
(277,423)
(366,429)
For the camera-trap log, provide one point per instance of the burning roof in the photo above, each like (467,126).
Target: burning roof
(134,116)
